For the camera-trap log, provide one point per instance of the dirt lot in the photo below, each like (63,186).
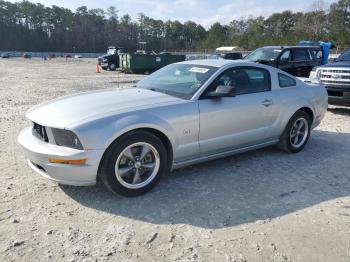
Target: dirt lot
(260,206)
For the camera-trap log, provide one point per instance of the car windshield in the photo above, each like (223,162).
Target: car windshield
(111,51)
(345,56)
(264,54)
(179,80)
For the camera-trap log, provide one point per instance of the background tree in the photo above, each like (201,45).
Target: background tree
(26,26)
(339,23)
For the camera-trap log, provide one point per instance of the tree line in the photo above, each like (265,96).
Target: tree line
(26,26)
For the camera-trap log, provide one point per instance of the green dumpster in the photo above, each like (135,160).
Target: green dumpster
(131,63)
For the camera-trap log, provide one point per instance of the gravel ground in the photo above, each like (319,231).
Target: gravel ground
(259,206)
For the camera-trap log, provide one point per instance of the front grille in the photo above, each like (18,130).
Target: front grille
(335,77)
(336,71)
(40,131)
(333,82)
(339,77)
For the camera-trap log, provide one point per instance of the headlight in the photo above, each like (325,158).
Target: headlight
(313,73)
(104,60)
(66,138)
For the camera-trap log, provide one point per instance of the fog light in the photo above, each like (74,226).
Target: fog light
(67,162)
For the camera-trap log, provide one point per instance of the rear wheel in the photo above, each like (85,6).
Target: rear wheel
(134,164)
(297,133)
(112,67)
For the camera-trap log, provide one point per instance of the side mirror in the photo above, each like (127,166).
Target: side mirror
(222,91)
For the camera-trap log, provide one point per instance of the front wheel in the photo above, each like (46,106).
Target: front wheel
(112,67)
(134,164)
(297,133)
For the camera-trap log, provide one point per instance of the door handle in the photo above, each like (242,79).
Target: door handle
(267,102)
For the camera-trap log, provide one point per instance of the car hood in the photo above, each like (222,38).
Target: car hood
(65,111)
(338,64)
(106,56)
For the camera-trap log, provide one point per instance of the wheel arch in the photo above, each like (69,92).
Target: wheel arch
(161,135)
(291,112)
(283,144)
(308,111)
(165,140)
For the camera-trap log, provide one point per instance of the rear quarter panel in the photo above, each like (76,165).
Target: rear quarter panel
(303,95)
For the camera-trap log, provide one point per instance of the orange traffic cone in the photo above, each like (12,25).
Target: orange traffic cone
(98,69)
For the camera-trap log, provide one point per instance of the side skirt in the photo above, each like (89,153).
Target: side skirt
(201,159)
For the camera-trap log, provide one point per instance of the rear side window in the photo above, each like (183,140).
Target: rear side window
(300,54)
(316,53)
(286,81)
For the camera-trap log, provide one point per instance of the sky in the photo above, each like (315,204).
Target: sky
(204,12)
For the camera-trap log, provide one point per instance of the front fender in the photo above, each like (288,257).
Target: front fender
(101,133)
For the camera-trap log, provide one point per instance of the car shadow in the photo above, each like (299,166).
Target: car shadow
(257,185)
(340,110)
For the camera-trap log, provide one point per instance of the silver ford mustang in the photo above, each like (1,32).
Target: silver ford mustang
(182,114)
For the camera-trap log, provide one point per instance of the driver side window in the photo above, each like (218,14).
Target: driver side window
(245,80)
(285,56)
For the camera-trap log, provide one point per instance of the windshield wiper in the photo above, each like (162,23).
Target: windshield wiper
(162,91)
(158,90)
(153,89)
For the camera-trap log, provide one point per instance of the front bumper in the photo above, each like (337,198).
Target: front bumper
(338,96)
(38,153)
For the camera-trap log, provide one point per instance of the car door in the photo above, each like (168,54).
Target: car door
(284,62)
(246,119)
(299,60)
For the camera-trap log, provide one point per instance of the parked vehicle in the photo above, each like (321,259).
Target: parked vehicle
(26,56)
(227,49)
(5,55)
(111,59)
(336,78)
(227,55)
(295,60)
(183,114)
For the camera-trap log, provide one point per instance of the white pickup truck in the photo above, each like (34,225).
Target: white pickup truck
(336,78)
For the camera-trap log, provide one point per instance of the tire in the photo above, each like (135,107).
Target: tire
(112,67)
(127,169)
(293,140)
(104,67)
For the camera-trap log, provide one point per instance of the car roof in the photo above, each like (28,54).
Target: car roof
(290,46)
(216,62)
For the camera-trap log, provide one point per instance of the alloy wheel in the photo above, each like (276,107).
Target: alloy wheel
(137,165)
(299,132)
